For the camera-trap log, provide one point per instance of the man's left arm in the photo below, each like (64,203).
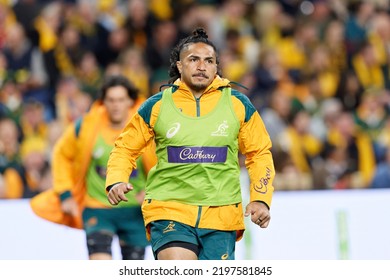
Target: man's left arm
(256,145)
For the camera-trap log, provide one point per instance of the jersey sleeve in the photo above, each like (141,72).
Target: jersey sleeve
(64,154)
(255,144)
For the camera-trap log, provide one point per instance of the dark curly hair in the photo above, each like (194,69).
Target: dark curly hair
(199,35)
(118,80)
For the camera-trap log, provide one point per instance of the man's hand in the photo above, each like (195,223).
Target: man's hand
(259,212)
(117,193)
(70,207)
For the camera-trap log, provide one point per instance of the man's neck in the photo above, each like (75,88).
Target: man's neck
(197,94)
(117,125)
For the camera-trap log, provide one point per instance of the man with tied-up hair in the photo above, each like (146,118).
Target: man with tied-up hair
(193,205)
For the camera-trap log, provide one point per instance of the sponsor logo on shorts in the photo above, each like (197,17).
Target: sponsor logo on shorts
(92,221)
(170,227)
(224,256)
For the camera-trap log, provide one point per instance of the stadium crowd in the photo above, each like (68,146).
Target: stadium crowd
(318,72)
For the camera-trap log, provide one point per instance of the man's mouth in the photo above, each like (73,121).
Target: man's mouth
(200,75)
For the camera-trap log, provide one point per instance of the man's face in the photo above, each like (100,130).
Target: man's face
(198,66)
(117,102)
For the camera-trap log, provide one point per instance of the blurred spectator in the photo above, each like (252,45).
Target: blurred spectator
(296,140)
(330,169)
(139,22)
(25,181)
(89,74)
(117,41)
(233,33)
(367,67)
(234,57)
(325,73)
(83,16)
(11,100)
(306,92)
(288,176)
(383,139)
(371,118)
(325,119)
(268,75)
(7,18)
(295,47)
(157,52)
(35,163)
(113,69)
(32,121)
(10,95)
(359,148)
(135,69)
(9,155)
(161,9)
(276,115)
(381,176)
(26,12)
(230,15)
(334,42)
(109,14)
(189,15)
(320,16)
(371,114)
(71,102)
(349,90)
(47,24)
(9,144)
(68,52)
(356,25)
(379,37)
(270,22)
(26,63)
(5,75)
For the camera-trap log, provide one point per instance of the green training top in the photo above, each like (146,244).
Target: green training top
(96,175)
(197,156)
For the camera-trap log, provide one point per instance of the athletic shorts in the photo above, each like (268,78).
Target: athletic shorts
(127,223)
(212,244)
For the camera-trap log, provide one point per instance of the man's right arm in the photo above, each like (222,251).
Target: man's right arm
(134,140)
(64,153)
(130,144)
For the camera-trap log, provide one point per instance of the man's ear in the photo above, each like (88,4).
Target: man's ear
(179,65)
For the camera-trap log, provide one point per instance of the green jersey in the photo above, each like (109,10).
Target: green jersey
(197,156)
(96,175)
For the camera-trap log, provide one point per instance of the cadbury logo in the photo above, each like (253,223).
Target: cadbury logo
(197,154)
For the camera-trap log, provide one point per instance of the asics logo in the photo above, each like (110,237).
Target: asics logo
(173,130)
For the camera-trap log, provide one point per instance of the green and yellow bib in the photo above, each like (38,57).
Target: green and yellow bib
(197,156)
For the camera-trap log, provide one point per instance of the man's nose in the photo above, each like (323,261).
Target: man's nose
(201,65)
